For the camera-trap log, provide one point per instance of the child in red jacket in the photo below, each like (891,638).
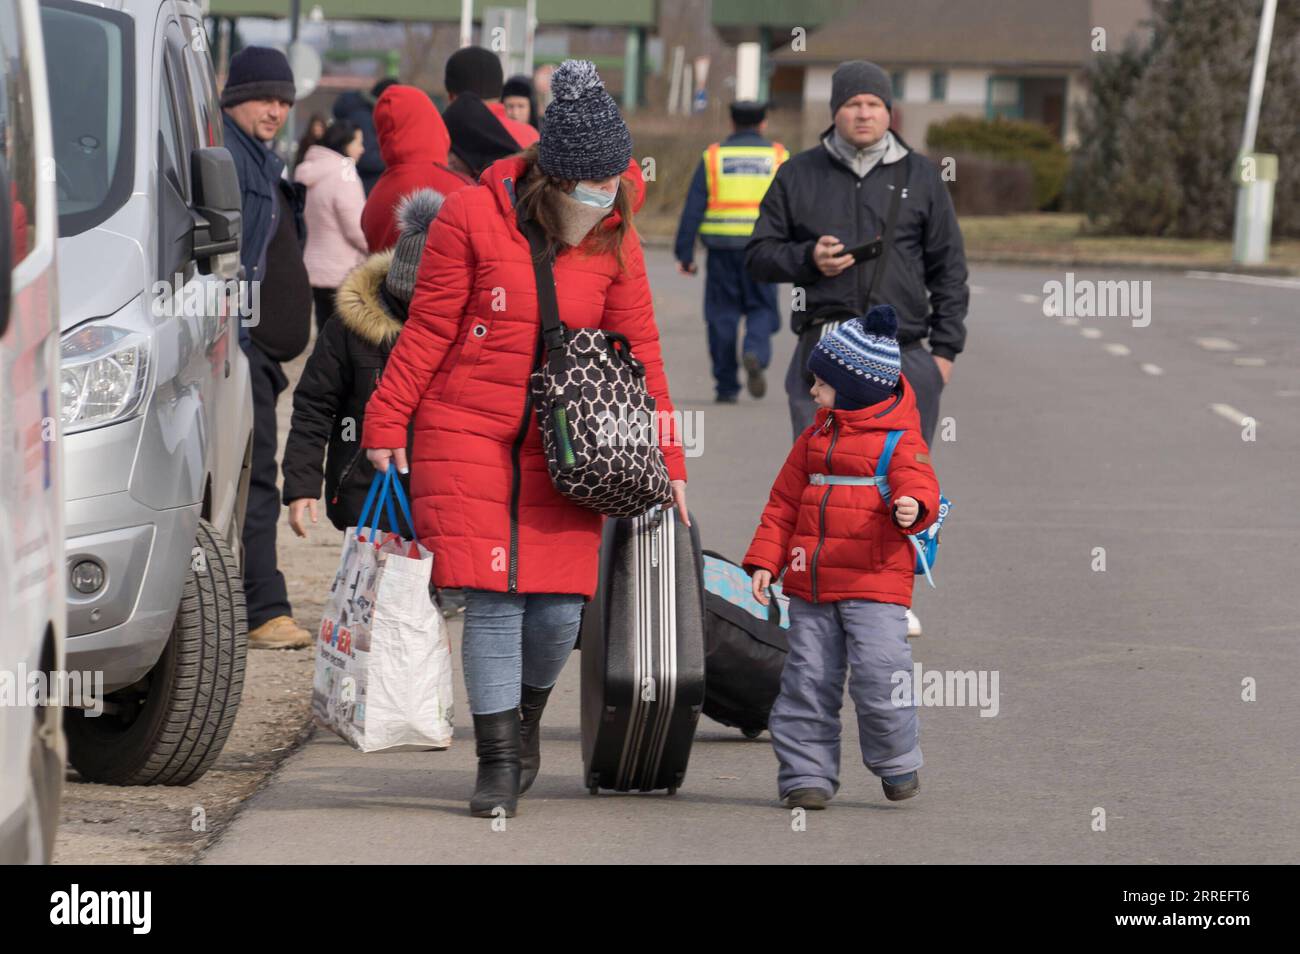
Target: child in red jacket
(848,566)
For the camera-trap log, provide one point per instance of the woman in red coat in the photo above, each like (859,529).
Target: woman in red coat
(413,140)
(483,501)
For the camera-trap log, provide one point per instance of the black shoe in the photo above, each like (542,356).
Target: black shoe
(899,787)
(754,378)
(531,704)
(726,399)
(496,742)
(811,799)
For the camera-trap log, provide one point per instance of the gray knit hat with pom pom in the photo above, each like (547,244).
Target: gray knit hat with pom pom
(583,133)
(415,213)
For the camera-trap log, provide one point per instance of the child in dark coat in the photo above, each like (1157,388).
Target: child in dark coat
(343,371)
(848,566)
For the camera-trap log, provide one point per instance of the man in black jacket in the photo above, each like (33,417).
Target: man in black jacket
(256,100)
(834,198)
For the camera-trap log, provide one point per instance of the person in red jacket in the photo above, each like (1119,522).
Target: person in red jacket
(848,566)
(482,498)
(413,141)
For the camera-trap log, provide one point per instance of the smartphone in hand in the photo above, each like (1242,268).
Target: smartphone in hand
(867,251)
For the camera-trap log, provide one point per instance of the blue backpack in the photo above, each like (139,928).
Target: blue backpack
(927,541)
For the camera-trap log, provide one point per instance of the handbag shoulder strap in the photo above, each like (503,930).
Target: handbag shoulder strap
(547,306)
(900,180)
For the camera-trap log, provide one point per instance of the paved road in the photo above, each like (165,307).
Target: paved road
(1120,690)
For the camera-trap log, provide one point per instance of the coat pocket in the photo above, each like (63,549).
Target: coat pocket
(475,339)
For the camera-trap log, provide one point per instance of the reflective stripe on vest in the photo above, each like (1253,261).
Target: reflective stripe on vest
(737,177)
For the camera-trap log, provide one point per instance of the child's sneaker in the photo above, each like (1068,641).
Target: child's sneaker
(899,787)
(913,625)
(812,799)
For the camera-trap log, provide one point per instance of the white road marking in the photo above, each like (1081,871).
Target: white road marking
(1118,349)
(1229,412)
(977,289)
(1217,344)
(1028,299)
(1287,393)
(1152,369)
(1090,333)
(1249,362)
(1247,279)
(1070,320)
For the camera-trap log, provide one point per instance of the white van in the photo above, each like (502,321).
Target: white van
(32,597)
(157,408)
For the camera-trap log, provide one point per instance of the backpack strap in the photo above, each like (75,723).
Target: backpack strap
(921,558)
(882,466)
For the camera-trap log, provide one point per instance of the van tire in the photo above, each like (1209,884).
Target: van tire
(185,707)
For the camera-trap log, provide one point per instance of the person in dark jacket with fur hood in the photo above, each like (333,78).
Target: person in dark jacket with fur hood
(343,371)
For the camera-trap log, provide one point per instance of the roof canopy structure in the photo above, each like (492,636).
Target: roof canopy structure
(624,13)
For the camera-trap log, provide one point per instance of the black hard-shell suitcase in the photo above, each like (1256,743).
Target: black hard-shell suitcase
(643,655)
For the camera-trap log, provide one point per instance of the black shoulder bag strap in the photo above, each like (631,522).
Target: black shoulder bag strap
(900,180)
(547,307)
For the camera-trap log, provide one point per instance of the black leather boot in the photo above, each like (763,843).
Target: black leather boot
(531,703)
(496,742)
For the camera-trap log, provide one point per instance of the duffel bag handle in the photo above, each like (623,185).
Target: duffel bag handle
(773,606)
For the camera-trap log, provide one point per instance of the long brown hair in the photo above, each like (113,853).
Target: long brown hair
(535,198)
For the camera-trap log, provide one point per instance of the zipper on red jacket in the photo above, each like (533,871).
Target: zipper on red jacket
(821,513)
(515,448)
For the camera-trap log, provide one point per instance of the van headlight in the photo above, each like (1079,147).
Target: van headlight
(103,375)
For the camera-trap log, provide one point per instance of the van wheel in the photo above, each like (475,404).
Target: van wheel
(168,728)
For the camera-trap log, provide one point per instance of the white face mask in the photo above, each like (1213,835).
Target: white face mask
(597,198)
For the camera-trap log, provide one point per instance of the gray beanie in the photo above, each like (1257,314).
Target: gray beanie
(855,77)
(583,133)
(415,213)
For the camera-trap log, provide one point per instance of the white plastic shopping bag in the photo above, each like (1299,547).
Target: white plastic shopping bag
(383,659)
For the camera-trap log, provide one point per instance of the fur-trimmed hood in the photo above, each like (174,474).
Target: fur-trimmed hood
(362,306)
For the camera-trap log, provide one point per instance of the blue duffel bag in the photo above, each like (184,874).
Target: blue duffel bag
(745,646)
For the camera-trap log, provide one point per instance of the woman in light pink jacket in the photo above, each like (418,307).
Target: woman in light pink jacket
(335,198)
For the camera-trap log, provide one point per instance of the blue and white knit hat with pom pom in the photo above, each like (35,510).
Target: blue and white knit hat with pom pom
(583,133)
(860,359)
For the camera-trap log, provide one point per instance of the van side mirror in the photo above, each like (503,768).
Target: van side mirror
(216,210)
(6,247)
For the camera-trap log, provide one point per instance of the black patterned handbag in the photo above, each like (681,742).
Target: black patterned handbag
(600,430)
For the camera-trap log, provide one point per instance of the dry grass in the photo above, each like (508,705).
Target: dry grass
(1049,236)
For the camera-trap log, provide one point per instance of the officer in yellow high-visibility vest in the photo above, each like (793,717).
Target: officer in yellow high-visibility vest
(721,207)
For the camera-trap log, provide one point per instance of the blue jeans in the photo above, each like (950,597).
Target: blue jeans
(512,639)
(867,641)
